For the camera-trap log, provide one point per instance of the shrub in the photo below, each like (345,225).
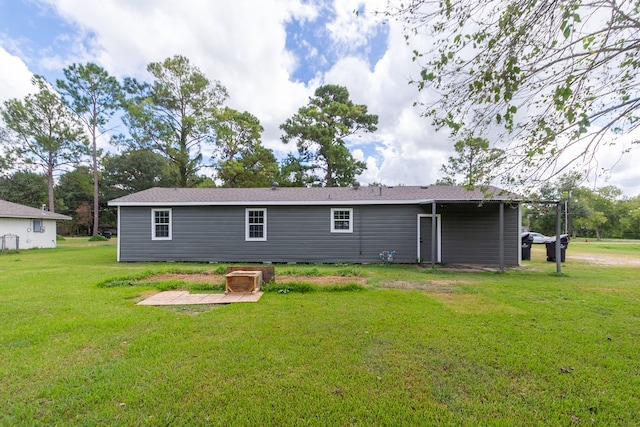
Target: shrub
(98,238)
(167,285)
(118,282)
(218,287)
(129,280)
(349,287)
(312,273)
(351,271)
(303,287)
(221,269)
(284,288)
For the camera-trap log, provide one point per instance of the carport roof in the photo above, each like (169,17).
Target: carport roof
(312,196)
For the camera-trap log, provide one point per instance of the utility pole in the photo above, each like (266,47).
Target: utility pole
(568,220)
(566,216)
(557,248)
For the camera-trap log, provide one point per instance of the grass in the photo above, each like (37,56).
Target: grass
(526,347)
(619,248)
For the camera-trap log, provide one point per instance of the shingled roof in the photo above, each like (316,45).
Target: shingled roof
(15,210)
(310,196)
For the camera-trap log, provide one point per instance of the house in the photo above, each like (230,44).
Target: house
(24,227)
(405,224)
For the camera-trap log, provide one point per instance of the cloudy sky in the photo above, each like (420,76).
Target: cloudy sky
(270,54)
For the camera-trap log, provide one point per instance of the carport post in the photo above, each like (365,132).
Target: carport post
(433,234)
(501,238)
(558,231)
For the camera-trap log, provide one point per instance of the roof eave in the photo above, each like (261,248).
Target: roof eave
(476,201)
(305,203)
(271,203)
(58,217)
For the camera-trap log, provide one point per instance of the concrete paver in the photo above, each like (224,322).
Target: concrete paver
(185,298)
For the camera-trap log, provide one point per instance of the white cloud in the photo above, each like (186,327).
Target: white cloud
(409,151)
(609,160)
(350,29)
(15,77)
(617,164)
(243,45)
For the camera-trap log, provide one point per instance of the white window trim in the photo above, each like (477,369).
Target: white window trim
(333,222)
(246,225)
(153,224)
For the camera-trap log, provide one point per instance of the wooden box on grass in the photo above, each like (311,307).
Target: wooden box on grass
(268,271)
(243,281)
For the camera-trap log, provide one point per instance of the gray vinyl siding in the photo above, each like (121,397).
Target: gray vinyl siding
(302,234)
(294,234)
(470,233)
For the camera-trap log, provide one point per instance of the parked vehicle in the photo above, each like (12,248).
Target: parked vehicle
(105,233)
(539,237)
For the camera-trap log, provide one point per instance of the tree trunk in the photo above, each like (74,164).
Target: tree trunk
(50,185)
(96,217)
(329,175)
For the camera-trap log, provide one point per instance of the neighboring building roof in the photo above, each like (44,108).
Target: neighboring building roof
(311,196)
(14,210)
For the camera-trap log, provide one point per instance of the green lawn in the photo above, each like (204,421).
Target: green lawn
(415,347)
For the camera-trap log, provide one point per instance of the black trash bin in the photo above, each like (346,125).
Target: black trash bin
(551,248)
(526,242)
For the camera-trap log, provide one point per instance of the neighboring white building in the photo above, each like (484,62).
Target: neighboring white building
(26,228)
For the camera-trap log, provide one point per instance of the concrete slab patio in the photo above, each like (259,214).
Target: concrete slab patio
(185,298)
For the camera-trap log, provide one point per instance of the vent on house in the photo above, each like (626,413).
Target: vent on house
(274,185)
(356,185)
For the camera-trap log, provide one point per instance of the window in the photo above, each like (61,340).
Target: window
(342,220)
(37,226)
(256,224)
(161,224)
